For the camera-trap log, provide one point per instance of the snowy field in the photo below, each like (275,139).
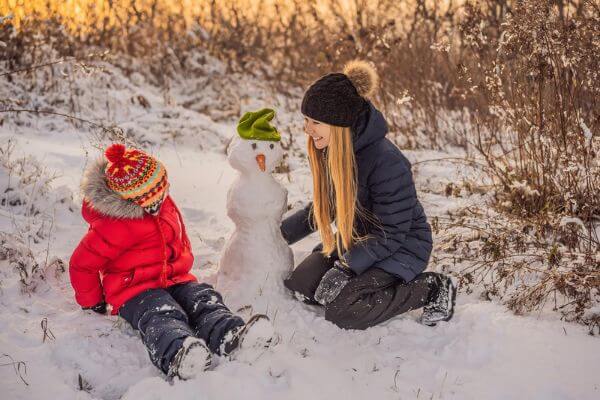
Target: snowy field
(485,352)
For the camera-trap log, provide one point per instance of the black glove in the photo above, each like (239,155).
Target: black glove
(333,282)
(99,308)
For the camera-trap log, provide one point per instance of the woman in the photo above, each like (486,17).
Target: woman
(371,269)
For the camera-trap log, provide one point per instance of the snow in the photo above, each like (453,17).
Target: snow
(259,336)
(525,188)
(484,352)
(572,220)
(587,133)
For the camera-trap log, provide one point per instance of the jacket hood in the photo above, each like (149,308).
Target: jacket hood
(369,128)
(101,198)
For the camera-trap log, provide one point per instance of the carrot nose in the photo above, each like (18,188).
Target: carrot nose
(260,159)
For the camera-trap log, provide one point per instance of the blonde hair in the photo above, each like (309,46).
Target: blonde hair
(335,189)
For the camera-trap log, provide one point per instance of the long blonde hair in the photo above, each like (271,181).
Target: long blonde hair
(335,190)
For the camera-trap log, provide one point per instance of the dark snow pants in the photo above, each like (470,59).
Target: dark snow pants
(368,299)
(165,317)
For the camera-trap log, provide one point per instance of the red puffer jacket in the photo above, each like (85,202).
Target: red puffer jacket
(126,251)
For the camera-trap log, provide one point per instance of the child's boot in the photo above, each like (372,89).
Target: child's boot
(191,360)
(257,333)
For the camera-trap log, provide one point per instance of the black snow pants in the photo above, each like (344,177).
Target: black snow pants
(368,299)
(165,317)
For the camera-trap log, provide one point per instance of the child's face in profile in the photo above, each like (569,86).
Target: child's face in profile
(319,132)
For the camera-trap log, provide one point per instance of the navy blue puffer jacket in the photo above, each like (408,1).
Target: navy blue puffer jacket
(400,243)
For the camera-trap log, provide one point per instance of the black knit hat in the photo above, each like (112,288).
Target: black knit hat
(339,98)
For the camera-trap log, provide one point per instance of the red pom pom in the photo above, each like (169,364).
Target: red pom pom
(115,152)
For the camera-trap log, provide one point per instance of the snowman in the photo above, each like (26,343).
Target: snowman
(256,258)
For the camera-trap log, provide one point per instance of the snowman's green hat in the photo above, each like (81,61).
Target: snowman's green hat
(255,126)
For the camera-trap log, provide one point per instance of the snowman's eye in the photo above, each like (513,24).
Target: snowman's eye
(254,146)
(271,145)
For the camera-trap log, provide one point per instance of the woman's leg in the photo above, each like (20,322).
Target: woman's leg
(376,296)
(208,316)
(305,278)
(162,323)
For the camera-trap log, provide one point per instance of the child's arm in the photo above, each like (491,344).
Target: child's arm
(95,249)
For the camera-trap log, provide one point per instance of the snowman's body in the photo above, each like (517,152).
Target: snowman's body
(256,258)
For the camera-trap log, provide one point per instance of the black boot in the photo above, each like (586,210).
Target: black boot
(441,306)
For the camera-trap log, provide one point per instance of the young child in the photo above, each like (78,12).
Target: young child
(136,256)
(371,269)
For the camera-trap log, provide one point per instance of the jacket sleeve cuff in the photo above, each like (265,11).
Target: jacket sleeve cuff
(296,226)
(89,299)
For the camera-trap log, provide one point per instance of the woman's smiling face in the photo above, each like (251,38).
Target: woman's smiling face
(318,131)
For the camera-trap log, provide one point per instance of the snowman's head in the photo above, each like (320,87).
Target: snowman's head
(254,156)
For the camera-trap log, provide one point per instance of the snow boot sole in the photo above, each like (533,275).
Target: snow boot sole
(191,361)
(258,333)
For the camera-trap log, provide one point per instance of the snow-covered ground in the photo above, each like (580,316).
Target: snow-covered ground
(485,352)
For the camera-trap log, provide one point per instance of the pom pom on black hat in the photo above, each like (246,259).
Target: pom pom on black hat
(363,76)
(115,152)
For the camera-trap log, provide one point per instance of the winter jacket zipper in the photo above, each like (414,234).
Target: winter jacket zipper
(163,273)
(184,236)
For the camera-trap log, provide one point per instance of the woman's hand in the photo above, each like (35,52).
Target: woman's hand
(332,283)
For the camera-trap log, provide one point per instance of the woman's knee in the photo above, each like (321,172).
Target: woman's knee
(299,290)
(348,311)
(304,280)
(345,317)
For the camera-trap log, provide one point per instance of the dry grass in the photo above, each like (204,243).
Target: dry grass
(25,198)
(526,263)
(540,75)
(289,42)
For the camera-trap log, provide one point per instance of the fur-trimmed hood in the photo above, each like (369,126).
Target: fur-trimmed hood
(101,198)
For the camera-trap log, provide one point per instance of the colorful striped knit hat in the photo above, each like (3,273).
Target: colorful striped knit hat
(137,177)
